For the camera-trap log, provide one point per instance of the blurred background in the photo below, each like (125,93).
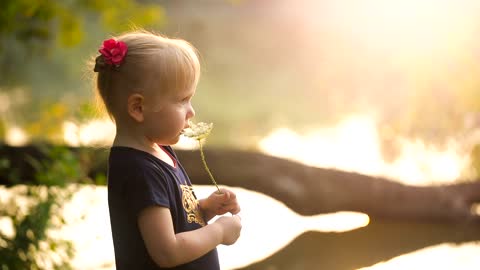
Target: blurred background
(379,87)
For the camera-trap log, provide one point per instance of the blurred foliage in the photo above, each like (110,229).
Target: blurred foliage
(7,170)
(44,49)
(31,247)
(48,122)
(59,167)
(37,23)
(34,210)
(30,29)
(2,129)
(86,111)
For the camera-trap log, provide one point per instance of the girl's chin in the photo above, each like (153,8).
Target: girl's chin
(170,141)
(175,140)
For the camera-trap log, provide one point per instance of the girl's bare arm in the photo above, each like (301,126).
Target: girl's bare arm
(168,249)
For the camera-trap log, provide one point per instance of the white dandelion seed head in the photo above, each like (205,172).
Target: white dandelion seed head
(198,131)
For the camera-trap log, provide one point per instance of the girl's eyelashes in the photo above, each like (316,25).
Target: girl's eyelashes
(187,99)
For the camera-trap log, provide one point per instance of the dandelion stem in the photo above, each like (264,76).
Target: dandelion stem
(204,161)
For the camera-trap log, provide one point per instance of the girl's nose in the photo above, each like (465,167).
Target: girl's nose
(191,112)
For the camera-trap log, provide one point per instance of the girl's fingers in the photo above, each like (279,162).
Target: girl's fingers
(235,210)
(231,194)
(225,202)
(232,208)
(228,193)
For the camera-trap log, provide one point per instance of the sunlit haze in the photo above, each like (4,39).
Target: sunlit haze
(354,145)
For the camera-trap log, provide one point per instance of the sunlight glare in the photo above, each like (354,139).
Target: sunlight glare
(87,211)
(94,132)
(6,227)
(475,209)
(16,136)
(186,143)
(409,26)
(440,257)
(354,145)
(421,163)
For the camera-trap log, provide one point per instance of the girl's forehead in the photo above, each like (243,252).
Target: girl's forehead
(189,91)
(176,93)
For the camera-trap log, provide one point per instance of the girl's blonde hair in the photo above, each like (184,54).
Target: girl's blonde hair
(152,61)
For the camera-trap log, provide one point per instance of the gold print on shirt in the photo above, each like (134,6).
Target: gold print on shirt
(190,204)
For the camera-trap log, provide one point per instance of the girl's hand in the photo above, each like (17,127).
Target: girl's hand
(219,204)
(231,227)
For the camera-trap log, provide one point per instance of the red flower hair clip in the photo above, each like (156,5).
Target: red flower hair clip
(113,51)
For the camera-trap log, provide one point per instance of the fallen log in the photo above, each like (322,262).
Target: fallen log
(305,189)
(310,190)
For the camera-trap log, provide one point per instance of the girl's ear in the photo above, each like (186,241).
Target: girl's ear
(135,107)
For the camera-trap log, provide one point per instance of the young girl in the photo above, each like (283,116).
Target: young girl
(146,82)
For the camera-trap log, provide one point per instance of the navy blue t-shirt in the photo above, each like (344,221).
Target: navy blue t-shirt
(137,180)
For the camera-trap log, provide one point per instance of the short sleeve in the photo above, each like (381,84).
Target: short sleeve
(148,187)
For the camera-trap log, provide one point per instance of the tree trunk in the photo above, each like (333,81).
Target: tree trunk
(310,190)
(306,190)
